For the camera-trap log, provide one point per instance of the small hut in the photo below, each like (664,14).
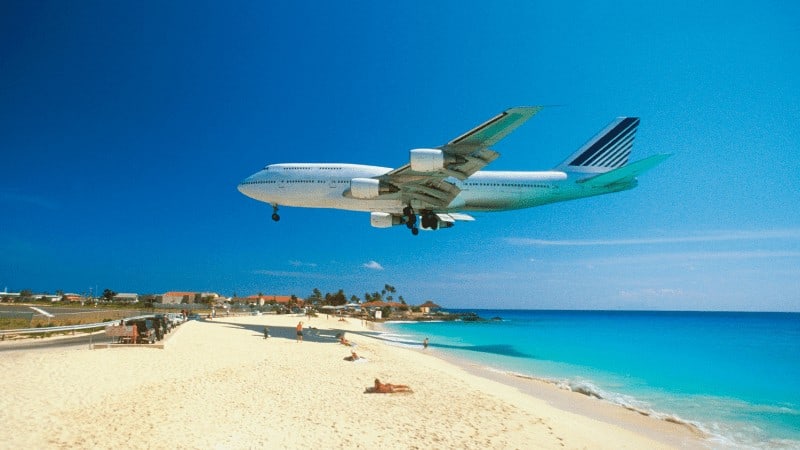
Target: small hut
(429,307)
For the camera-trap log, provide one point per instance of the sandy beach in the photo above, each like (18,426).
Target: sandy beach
(220,384)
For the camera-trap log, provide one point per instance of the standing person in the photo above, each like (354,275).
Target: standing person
(266,332)
(425,343)
(300,332)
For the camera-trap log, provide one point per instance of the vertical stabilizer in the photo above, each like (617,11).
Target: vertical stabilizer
(608,150)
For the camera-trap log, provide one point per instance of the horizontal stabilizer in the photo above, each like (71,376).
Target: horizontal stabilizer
(625,174)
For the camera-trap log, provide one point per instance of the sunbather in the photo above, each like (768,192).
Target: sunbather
(387,388)
(353,356)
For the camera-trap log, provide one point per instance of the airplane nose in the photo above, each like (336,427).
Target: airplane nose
(246,187)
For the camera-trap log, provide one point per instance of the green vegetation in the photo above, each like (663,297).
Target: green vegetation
(11,323)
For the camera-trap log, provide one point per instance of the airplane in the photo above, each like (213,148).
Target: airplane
(439,185)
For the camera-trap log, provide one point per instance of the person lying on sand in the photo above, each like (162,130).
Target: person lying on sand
(353,356)
(387,388)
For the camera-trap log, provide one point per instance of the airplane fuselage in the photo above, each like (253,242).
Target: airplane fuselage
(439,185)
(325,186)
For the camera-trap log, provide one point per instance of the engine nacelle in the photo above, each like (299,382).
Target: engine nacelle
(427,160)
(365,188)
(384,220)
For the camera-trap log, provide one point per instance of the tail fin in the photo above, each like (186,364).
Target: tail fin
(608,150)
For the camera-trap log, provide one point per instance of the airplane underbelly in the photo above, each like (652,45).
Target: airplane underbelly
(505,200)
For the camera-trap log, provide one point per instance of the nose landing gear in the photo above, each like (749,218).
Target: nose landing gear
(275,215)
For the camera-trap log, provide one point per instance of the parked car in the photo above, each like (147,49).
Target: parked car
(175,318)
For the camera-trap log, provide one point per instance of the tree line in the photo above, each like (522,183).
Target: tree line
(386,294)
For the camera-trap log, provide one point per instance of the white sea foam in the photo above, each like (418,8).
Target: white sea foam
(401,340)
(589,389)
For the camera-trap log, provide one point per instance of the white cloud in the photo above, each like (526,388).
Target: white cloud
(302,264)
(651,293)
(286,274)
(688,258)
(373,265)
(484,276)
(715,236)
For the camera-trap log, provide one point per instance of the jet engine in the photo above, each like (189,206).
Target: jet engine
(427,160)
(365,188)
(384,220)
(369,188)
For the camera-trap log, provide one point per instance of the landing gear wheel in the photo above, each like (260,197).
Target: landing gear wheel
(415,231)
(276,217)
(411,217)
(429,220)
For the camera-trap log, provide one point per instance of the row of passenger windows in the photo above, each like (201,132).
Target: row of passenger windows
(259,182)
(516,185)
(303,168)
(298,181)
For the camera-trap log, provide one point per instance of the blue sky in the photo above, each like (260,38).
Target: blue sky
(126,126)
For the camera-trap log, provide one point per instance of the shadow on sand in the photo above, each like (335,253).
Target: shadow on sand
(312,334)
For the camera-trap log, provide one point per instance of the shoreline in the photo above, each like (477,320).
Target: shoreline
(220,384)
(668,430)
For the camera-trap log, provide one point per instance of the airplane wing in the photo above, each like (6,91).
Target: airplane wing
(463,156)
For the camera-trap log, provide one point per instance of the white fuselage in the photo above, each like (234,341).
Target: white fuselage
(324,186)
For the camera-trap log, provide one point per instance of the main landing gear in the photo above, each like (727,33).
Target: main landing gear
(429,220)
(275,215)
(411,219)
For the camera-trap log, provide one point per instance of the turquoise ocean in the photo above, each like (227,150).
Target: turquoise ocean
(734,375)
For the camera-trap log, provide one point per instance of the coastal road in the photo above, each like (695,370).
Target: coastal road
(80,340)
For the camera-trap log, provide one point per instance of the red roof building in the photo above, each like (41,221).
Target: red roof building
(261,300)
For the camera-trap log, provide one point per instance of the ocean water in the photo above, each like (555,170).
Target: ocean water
(734,375)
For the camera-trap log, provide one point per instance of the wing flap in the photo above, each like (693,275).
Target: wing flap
(492,131)
(452,217)
(434,193)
